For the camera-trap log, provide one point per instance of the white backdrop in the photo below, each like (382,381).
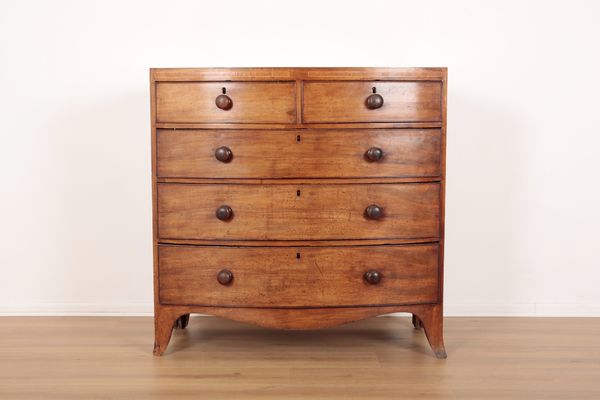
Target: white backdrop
(523,134)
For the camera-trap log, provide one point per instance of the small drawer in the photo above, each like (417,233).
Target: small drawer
(298,277)
(226,102)
(333,102)
(298,154)
(298,211)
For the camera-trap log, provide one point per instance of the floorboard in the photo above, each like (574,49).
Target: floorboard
(379,358)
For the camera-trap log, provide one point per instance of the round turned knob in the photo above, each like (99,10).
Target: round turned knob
(372,276)
(225,277)
(374,101)
(224,213)
(223,154)
(374,211)
(374,154)
(224,102)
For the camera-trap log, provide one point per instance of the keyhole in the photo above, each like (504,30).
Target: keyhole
(298,192)
(298,255)
(225,90)
(374,90)
(298,139)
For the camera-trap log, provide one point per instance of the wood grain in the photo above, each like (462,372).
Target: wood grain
(299,318)
(253,102)
(339,102)
(301,181)
(58,358)
(328,208)
(298,276)
(294,154)
(284,74)
(301,243)
(301,212)
(269,126)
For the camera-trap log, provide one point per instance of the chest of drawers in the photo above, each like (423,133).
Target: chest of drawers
(298,198)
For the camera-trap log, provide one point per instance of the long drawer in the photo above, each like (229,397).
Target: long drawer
(334,102)
(242,102)
(298,211)
(298,154)
(298,277)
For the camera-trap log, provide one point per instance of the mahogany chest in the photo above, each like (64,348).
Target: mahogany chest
(298,198)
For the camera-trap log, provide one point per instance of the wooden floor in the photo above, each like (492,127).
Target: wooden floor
(378,358)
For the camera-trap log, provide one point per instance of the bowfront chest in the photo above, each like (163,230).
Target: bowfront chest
(298,198)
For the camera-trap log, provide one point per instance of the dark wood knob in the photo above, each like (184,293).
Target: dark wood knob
(223,154)
(374,154)
(225,277)
(374,101)
(224,102)
(372,276)
(224,213)
(374,211)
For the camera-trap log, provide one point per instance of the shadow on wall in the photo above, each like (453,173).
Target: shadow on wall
(484,157)
(106,215)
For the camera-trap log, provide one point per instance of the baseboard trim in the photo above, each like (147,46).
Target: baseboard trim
(523,310)
(450,310)
(78,310)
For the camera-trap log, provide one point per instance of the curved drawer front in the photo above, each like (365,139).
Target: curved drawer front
(349,102)
(298,212)
(298,277)
(249,102)
(298,154)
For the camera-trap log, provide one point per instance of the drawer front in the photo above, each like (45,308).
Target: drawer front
(348,102)
(298,277)
(251,102)
(298,212)
(294,154)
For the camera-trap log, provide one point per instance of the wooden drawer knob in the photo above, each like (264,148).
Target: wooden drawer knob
(374,101)
(374,154)
(374,212)
(224,213)
(223,154)
(372,276)
(224,102)
(225,277)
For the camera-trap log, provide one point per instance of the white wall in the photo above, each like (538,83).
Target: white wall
(523,137)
